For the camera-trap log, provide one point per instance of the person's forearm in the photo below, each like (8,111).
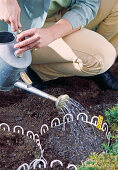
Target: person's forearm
(42,37)
(61,29)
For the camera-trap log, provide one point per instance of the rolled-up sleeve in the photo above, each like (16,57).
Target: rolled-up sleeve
(82,12)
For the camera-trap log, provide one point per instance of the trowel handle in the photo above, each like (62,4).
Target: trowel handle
(19,31)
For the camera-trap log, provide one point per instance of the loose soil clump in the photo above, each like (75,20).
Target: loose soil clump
(15,150)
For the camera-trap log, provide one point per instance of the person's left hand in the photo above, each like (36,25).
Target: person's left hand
(36,38)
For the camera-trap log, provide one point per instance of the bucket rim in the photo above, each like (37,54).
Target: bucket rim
(10,33)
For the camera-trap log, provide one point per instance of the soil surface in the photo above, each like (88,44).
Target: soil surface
(71,145)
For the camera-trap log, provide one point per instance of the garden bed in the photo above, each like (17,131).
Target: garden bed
(31,112)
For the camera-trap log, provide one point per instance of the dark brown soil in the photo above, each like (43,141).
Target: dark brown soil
(16,149)
(31,112)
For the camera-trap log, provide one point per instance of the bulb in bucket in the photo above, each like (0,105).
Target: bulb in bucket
(61,101)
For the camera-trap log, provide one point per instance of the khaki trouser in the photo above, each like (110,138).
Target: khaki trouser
(82,53)
(107,21)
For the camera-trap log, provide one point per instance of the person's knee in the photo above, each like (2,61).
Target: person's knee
(98,63)
(92,67)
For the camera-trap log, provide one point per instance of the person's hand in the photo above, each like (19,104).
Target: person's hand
(10,13)
(36,38)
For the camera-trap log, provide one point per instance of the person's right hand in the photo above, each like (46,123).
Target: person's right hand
(10,13)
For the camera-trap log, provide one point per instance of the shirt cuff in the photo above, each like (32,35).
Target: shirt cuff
(74,20)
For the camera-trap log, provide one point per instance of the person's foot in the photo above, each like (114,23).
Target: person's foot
(37,82)
(106,81)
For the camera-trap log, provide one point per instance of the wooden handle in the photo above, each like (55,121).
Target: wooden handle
(19,31)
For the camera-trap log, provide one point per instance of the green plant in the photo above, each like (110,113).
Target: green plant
(102,161)
(112,149)
(109,159)
(111,117)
